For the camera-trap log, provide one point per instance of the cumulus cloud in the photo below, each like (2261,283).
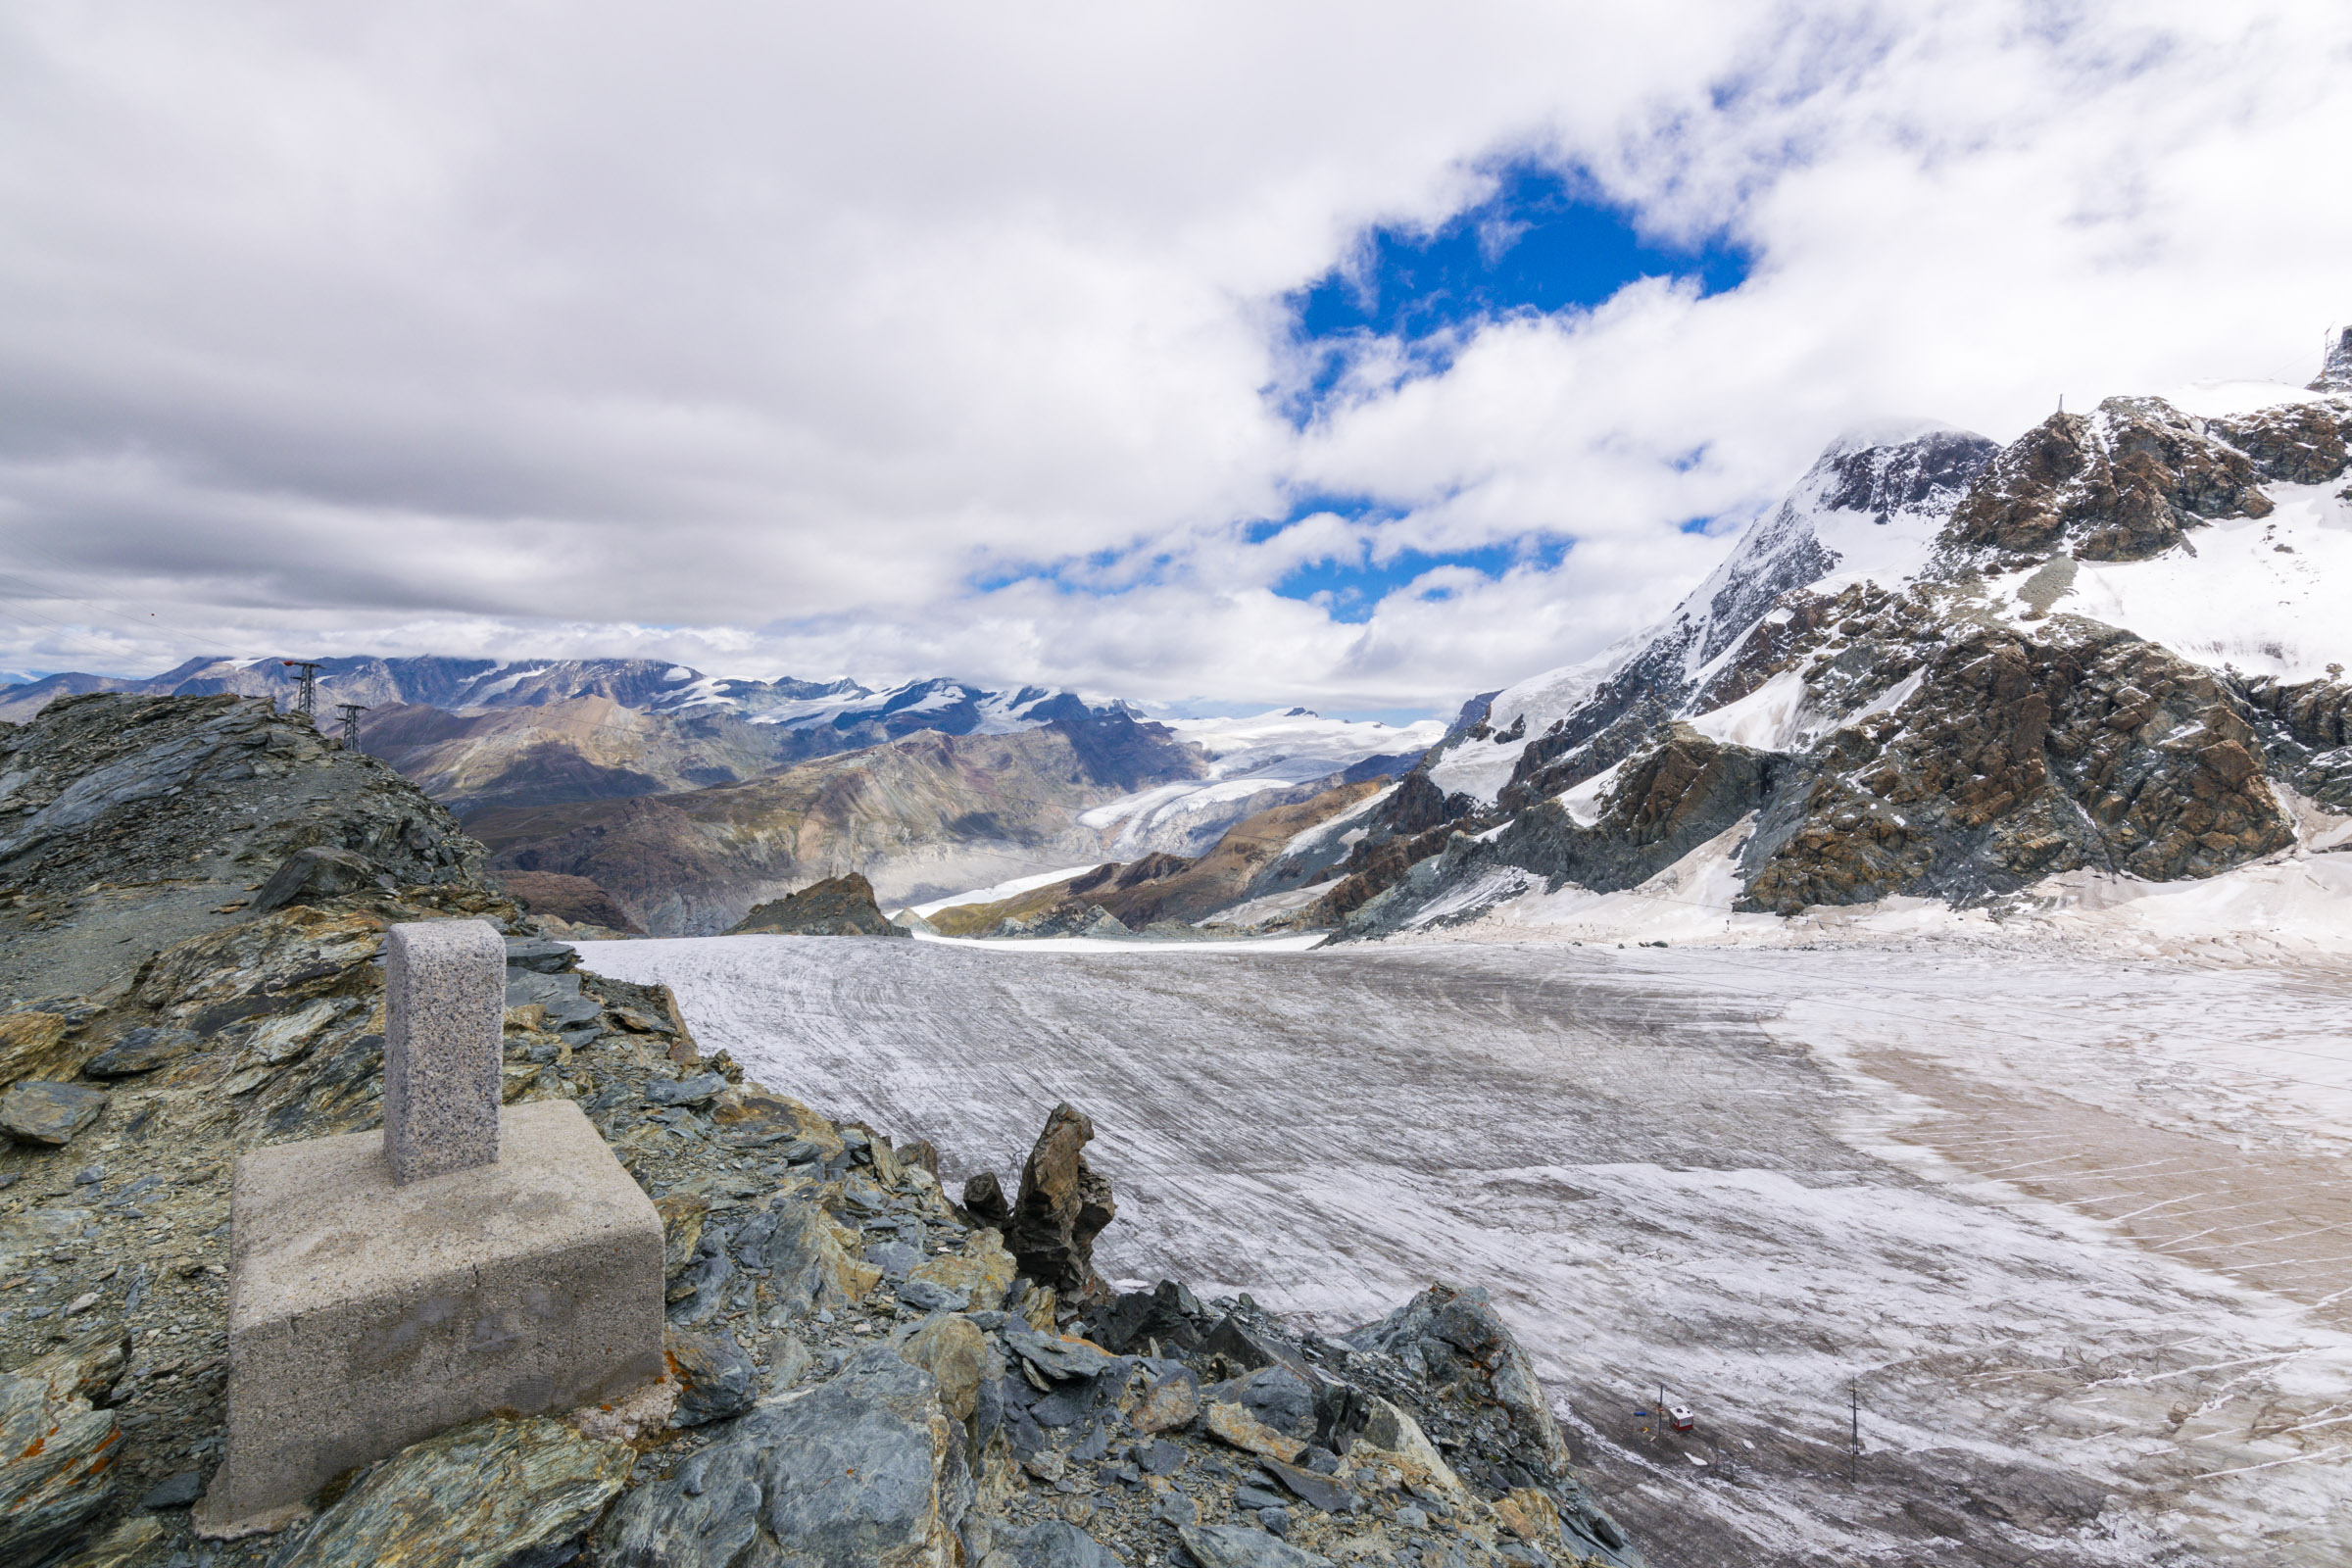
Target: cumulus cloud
(930,339)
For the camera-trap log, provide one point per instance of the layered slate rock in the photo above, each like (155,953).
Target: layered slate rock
(50,1114)
(861,1472)
(837,907)
(1063,1206)
(484,1495)
(58,1453)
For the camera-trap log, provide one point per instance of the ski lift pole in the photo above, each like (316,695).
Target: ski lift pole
(1853,1437)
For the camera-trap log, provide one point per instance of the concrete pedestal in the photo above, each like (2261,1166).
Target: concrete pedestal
(366,1315)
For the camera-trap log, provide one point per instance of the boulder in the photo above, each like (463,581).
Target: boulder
(1168,1405)
(1454,1339)
(141,1051)
(981,1273)
(715,1379)
(482,1495)
(128,1542)
(57,1456)
(1047,1543)
(1062,1208)
(49,1113)
(1244,1546)
(984,1201)
(317,872)
(837,907)
(1163,1316)
(1230,1423)
(1394,1441)
(34,1045)
(955,1353)
(863,1471)
(810,1259)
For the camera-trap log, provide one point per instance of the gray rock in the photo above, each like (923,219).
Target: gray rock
(1175,1508)
(317,872)
(1244,1546)
(716,1379)
(1273,1394)
(1256,1498)
(539,954)
(55,1472)
(703,1285)
(695,1090)
(1161,1458)
(860,1471)
(896,1259)
(491,1492)
(1458,1340)
(178,1492)
(1049,1544)
(50,1115)
(141,1051)
(1055,1358)
(1319,1490)
(925,1297)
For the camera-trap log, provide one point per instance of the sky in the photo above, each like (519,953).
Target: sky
(1361,356)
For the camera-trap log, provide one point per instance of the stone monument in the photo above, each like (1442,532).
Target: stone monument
(467,1260)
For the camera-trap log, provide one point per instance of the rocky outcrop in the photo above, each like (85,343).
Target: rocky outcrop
(2017,757)
(837,906)
(860,1376)
(133,823)
(2293,443)
(316,874)
(1062,1206)
(2306,733)
(2136,477)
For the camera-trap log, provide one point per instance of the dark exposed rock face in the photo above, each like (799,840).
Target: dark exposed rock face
(837,907)
(1062,1206)
(110,787)
(2306,733)
(2293,443)
(313,874)
(2121,484)
(2015,757)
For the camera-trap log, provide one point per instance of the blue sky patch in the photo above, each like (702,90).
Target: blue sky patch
(1542,241)
(1355,588)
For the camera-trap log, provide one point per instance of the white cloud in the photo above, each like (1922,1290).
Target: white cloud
(751,338)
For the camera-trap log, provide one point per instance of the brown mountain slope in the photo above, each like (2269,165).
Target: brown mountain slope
(1166,887)
(1223,875)
(918,817)
(586,748)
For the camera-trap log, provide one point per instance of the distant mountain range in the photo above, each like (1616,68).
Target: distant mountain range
(691,797)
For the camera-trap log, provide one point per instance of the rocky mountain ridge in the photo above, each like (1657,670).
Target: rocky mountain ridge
(1941,669)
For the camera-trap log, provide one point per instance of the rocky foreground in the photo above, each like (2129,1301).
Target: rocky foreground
(863,1370)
